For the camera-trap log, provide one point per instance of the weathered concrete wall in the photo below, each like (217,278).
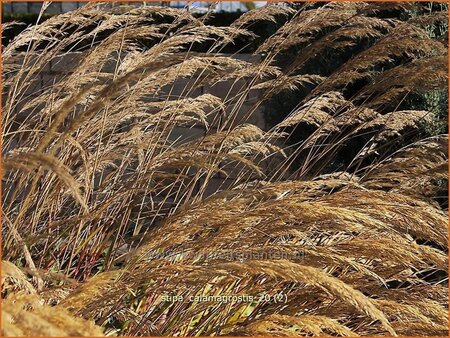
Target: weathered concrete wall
(61,7)
(226,90)
(35,7)
(229,91)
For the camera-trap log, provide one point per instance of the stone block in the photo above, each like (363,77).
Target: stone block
(69,6)
(254,95)
(65,63)
(19,7)
(253,114)
(181,88)
(237,170)
(136,3)
(182,135)
(35,7)
(252,58)
(49,80)
(54,8)
(228,90)
(7,7)
(215,184)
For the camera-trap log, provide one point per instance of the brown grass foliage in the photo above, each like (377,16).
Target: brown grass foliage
(106,211)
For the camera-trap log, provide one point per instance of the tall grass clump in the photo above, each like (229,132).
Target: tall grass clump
(121,218)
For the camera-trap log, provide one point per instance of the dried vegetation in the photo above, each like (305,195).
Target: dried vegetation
(106,208)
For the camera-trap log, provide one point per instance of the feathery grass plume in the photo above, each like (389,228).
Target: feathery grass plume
(129,165)
(378,56)
(14,280)
(30,161)
(392,125)
(283,325)
(420,169)
(405,40)
(393,85)
(22,315)
(288,82)
(139,195)
(350,35)
(308,24)
(344,236)
(374,8)
(318,111)
(267,13)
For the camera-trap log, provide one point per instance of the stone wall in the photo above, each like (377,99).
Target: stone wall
(60,6)
(65,6)
(226,90)
(35,7)
(59,67)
